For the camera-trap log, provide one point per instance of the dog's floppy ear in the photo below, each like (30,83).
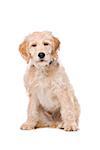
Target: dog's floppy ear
(23,50)
(56,43)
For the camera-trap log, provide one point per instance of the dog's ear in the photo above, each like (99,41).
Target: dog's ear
(56,43)
(23,50)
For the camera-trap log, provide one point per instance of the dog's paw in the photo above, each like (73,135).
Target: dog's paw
(70,126)
(27,126)
(60,125)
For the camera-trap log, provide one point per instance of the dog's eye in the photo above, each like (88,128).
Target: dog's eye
(34,45)
(46,44)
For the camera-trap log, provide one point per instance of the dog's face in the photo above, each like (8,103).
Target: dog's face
(40,48)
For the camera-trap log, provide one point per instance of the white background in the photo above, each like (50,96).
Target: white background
(77,24)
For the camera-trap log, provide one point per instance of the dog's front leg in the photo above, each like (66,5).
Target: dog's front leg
(32,116)
(67,111)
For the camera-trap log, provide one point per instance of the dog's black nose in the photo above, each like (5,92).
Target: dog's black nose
(41,55)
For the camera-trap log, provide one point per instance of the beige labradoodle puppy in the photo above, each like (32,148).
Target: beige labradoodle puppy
(52,102)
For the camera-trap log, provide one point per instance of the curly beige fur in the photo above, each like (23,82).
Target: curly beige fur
(52,102)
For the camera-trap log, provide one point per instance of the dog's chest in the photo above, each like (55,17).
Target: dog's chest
(46,94)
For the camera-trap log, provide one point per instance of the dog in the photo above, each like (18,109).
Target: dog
(52,102)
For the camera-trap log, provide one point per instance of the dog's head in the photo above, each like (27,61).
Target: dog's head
(40,47)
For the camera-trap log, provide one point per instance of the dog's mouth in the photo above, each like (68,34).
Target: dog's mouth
(41,61)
